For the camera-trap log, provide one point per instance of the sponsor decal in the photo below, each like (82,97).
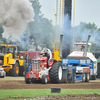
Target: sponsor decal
(86,70)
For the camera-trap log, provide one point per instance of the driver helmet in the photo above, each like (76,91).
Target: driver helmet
(45,50)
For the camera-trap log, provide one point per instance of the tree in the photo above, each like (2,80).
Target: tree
(41,30)
(83,30)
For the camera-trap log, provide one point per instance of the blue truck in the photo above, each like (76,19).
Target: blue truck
(78,66)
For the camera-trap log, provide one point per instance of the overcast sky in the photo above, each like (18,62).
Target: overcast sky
(85,10)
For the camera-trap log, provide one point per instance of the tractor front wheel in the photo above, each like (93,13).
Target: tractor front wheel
(44,79)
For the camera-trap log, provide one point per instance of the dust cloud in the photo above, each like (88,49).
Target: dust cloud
(14,16)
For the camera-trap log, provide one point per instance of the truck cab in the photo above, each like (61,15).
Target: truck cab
(78,53)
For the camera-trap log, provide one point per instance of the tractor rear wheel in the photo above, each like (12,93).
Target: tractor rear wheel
(15,70)
(44,79)
(56,73)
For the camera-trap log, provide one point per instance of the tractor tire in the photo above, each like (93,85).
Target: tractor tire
(44,79)
(93,77)
(74,76)
(56,73)
(87,77)
(1,76)
(22,69)
(27,80)
(15,70)
(83,78)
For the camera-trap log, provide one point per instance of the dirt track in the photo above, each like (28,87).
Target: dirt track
(19,83)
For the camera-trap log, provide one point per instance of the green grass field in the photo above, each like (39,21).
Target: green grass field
(44,92)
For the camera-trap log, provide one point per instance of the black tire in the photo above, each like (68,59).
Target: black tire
(1,76)
(44,79)
(74,76)
(93,77)
(7,74)
(34,81)
(54,74)
(22,69)
(27,80)
(87,77)
(15,70)
(83,78)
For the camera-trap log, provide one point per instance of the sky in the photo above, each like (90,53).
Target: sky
(85,11)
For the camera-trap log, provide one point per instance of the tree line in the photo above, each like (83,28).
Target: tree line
(40,33)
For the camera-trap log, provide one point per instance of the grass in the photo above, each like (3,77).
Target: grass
(44,92)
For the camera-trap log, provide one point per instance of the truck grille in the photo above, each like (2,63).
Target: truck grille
(36,65)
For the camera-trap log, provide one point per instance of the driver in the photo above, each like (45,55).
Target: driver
(82,48)
(46,54)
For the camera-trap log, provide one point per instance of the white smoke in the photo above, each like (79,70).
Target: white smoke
(14,15)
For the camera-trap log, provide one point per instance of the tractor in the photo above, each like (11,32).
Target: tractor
(11,60)
(40,69)
(80,65)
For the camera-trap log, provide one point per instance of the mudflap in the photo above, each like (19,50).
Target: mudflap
(64,75)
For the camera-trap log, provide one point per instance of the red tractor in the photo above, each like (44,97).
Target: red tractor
(44,69)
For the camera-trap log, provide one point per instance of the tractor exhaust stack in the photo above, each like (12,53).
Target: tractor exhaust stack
(60,46)
(86,47)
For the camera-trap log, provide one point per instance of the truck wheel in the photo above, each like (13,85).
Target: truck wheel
(1,76)
(74,76)
(56,73)
(15,70)
(87,77)
(83,77)
(27,80)
(93,77)
(44,79)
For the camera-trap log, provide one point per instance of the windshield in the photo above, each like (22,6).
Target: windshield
(81,47)
(7,49)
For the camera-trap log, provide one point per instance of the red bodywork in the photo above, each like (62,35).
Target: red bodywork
(42,62)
